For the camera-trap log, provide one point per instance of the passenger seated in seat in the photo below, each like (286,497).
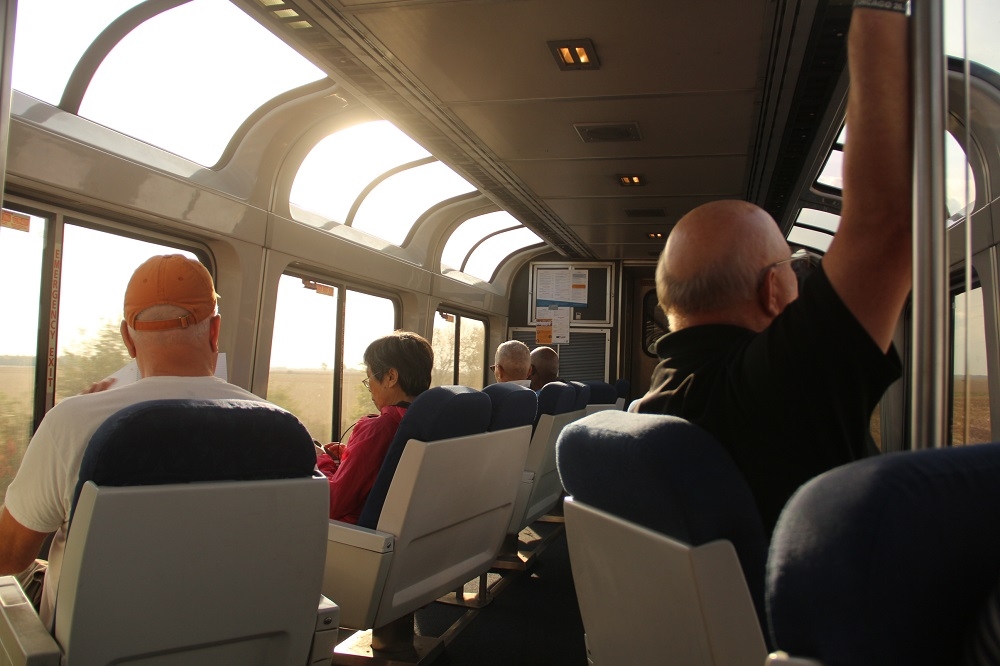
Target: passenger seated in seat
(544,367)
(399,369)
(788,382)
(512,362)
(172,330)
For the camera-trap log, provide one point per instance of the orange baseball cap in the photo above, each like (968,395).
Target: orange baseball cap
(170,279)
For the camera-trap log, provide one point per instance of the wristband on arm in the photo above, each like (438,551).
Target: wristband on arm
(900,6)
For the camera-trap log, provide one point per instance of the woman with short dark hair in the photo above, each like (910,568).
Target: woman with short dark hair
(398,368)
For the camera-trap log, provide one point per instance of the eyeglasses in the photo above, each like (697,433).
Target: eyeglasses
(800,260)
(493,368)
(365,382)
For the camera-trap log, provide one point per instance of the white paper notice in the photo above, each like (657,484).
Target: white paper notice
(130,373)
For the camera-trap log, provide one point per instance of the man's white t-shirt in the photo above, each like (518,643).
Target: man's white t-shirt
(41,495)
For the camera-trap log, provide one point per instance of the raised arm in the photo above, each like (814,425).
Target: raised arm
(869,261)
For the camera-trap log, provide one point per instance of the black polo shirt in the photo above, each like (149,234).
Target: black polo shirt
(788,403)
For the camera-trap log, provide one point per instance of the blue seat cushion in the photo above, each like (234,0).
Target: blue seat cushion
(887,560)
(513,405)
(668,475)
(184,440)
(441,412)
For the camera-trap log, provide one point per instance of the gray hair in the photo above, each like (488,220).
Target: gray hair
(515,357)
(718,286)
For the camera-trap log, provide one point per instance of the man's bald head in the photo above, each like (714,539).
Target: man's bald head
(710,267)
(544,367)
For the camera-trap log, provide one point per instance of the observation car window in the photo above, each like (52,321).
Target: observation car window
(367,317)
(970,403)
(22,241)
(395,204)
(463,362)
(51,36)
(480,244)
(189,86)
(957,169)
(304,348)
(981,17)
(810,238)
(96,266)
(485,259)
(339,168)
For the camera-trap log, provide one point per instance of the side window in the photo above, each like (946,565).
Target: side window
(970,400)
(472,352)
(83,272)
(367,318)
(22,241)
(462,363)
(303,351)
(96,266)
(308,339)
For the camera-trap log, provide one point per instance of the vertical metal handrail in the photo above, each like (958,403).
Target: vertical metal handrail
(930,342)
(8,14)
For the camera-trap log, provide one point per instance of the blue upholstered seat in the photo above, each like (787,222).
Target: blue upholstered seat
(601,393)
(888,560)
(666,474)
(582,395)
(441,412)
(622,387)
(513,405)
(187,440)
(555,398)
(186,517)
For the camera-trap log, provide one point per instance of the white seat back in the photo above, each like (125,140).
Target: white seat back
(449,506)
(546,488)
(202,573)
(644,595)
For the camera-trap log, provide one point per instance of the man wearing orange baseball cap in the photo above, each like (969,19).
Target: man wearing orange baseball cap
(171,328)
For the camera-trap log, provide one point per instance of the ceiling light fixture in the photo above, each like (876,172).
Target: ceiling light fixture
(631,180)
(655,235)
(575,54)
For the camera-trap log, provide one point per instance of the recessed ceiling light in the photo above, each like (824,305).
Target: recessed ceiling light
(655,235)
(575,54)
(631,180)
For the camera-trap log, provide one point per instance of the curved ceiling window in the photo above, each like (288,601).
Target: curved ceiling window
(391,208)
(189,84)
(982,18)
(51,36)
(960,186)
(480,243)
(814,229)
(340,167)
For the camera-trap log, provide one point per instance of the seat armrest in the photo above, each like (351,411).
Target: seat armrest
(360,537)
(357,564)
(327,631)
(782,659)
(23,637)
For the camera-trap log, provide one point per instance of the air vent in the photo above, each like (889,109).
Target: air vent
(645,212)
(599,132)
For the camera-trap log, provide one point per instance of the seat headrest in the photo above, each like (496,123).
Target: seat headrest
(441,412)
(601,393)
(666,474)
(582,395)
(890,556)
(184,440)
(556,398)
(513,405)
